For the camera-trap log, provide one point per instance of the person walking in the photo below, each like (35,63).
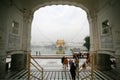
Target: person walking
(65,63)
(87,58)
(62,60)
(70,62)
(77,63)
(39,53)
(73,71)
(36,53)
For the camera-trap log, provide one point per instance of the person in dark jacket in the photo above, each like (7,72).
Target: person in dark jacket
(62,60)
(72,71)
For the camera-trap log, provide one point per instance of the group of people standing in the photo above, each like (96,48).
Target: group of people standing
(73,63)
(38,53)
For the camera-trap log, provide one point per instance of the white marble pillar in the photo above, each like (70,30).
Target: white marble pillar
(94,37)
(27,20)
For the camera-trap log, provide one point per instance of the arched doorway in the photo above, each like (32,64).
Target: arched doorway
(92,18)
(59,28)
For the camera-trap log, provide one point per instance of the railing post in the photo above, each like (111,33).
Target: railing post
(92,68)
(78,74)
(28,56)
(42,73)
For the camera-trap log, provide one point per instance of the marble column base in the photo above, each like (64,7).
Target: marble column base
(103,62)
(118,66)
(2,67)
(18,62)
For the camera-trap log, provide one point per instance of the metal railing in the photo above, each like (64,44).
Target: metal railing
(37,66)
(85,64)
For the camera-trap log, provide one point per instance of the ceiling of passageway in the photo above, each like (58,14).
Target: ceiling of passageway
(36,4)
(31,4)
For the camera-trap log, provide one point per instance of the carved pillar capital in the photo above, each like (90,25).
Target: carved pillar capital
(27,15)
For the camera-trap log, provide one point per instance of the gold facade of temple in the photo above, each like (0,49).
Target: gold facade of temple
(60,43)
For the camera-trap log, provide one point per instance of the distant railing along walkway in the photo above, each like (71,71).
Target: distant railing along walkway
(50,56)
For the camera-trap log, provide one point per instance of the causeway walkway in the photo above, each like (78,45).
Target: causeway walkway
(53,70)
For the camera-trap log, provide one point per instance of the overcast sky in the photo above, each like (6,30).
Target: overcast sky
(59,22)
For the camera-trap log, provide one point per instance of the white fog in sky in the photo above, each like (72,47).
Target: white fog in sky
(55,22)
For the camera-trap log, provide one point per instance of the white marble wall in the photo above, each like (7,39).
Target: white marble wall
(8,14)
(109,11)
(111,41)
(105,39)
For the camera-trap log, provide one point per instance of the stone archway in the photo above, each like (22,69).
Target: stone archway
(99,11)
(92,18)
(94,28)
